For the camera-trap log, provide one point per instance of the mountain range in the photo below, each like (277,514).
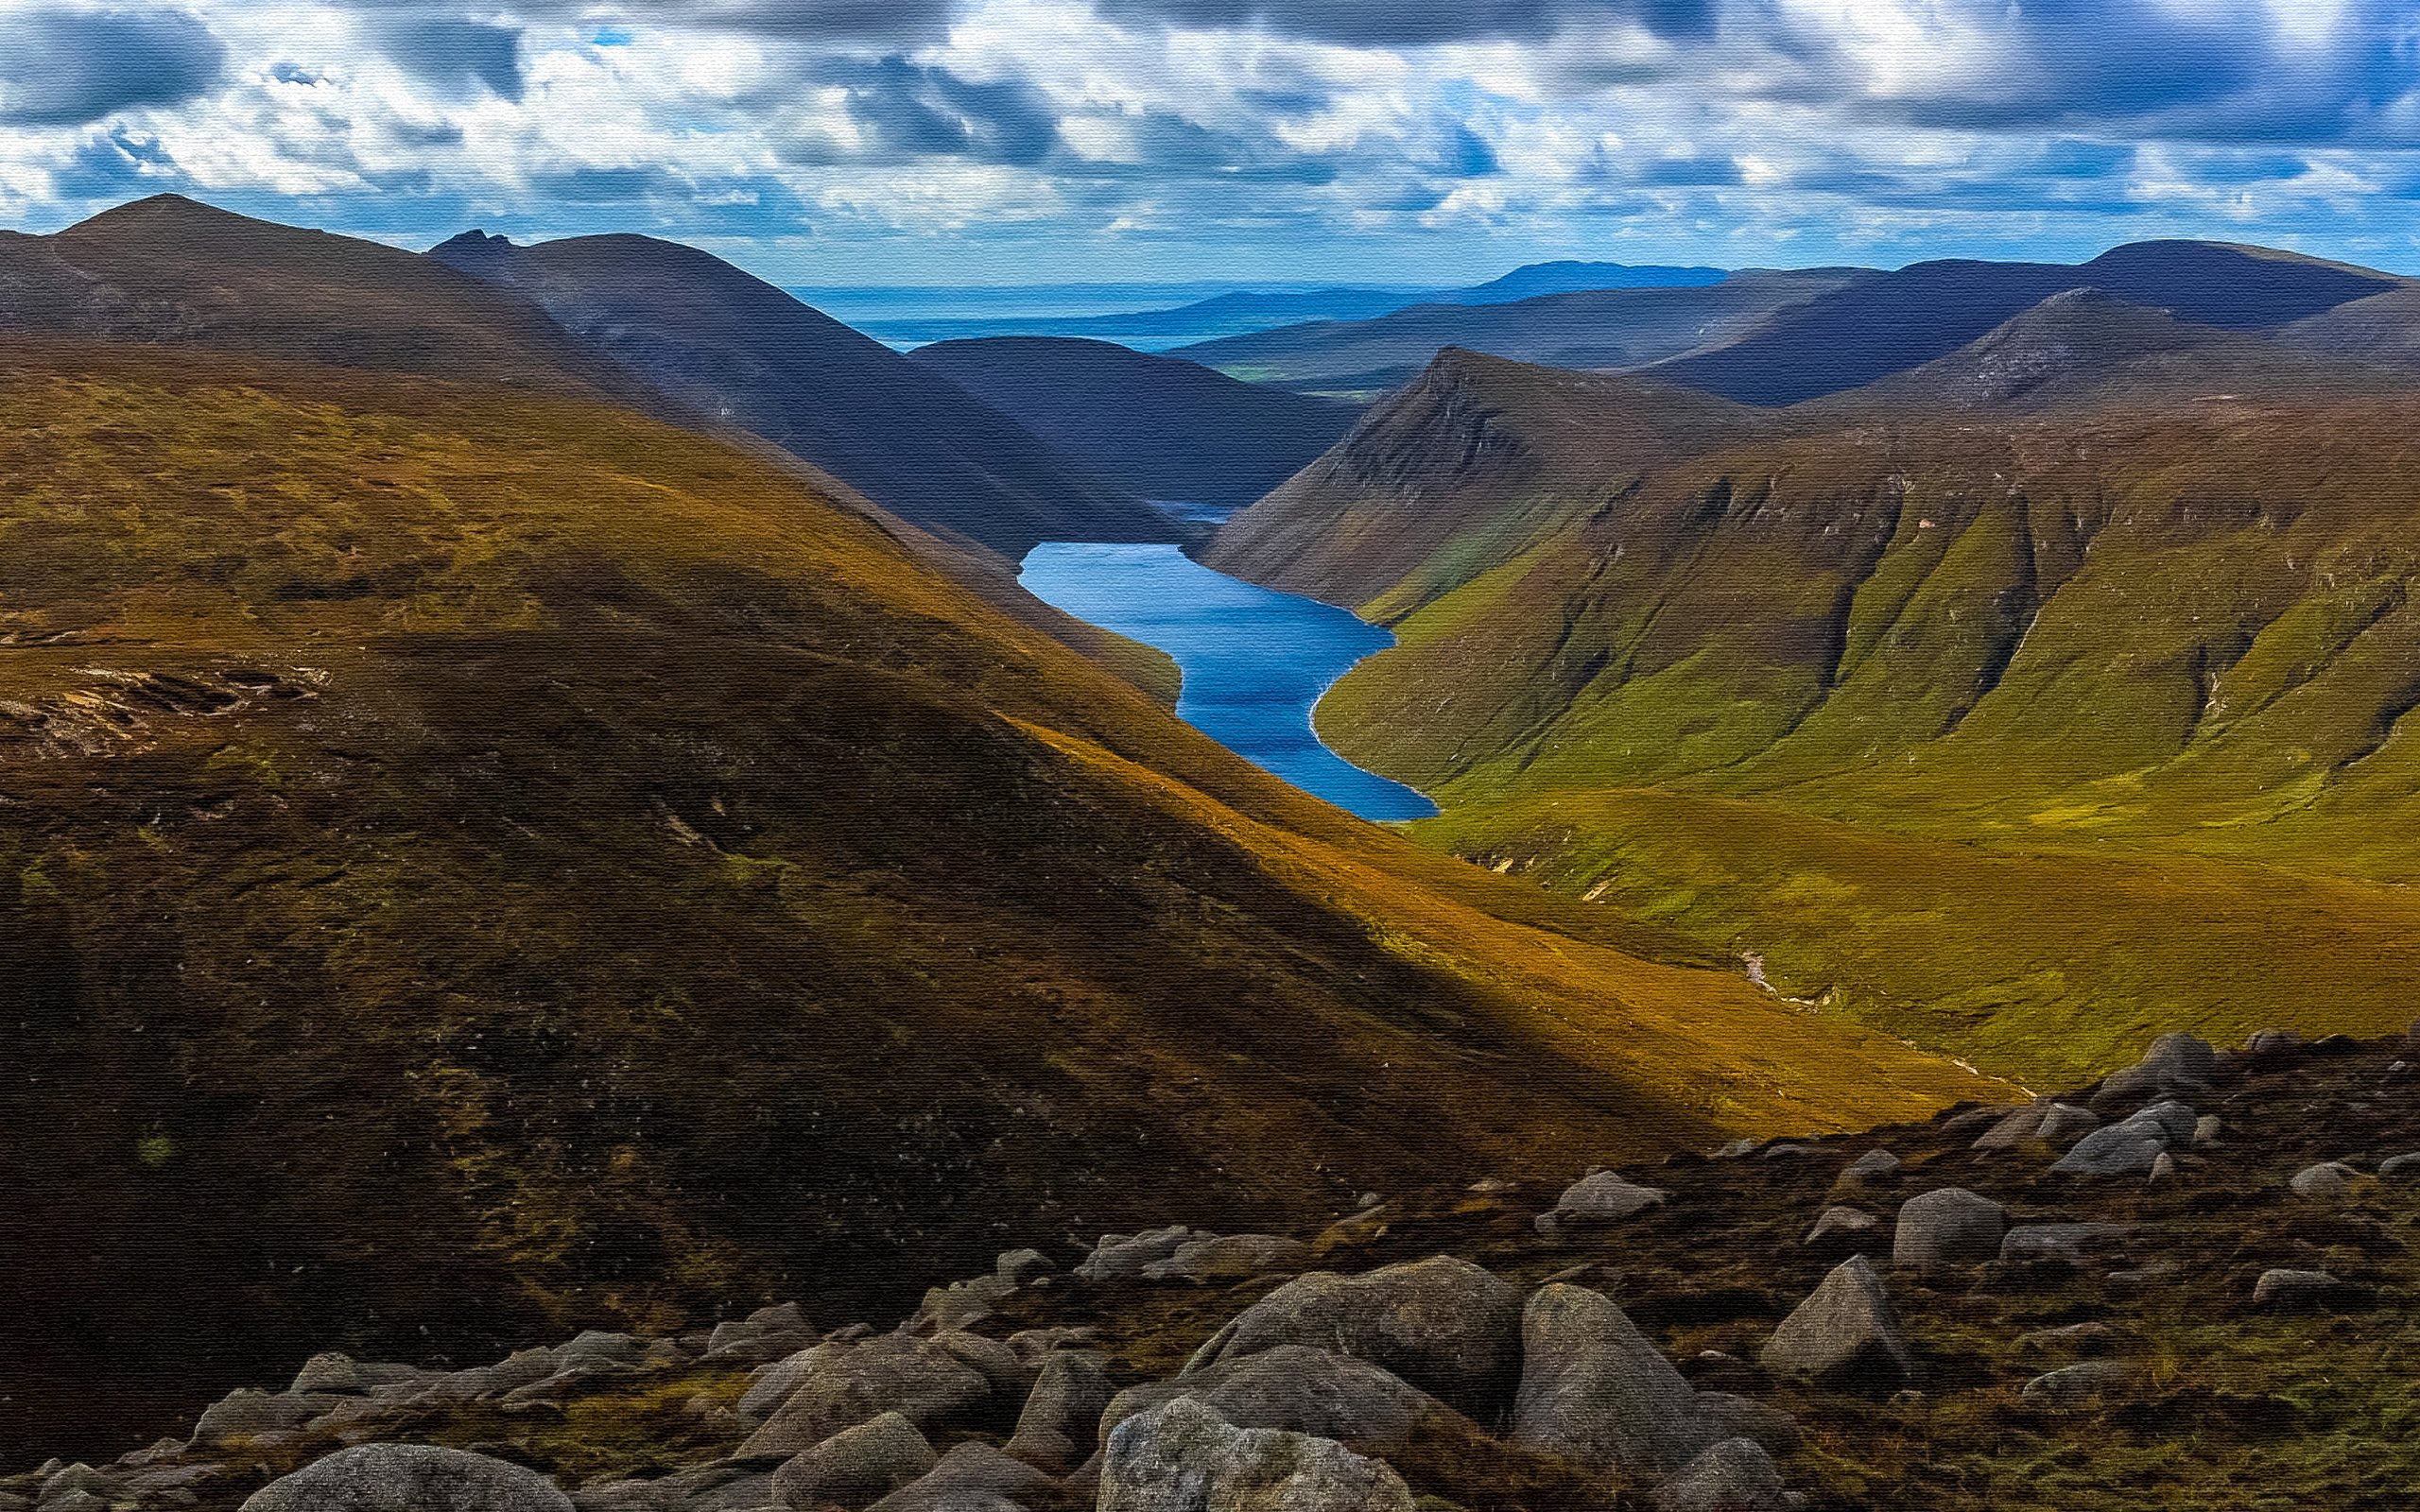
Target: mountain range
(495,844)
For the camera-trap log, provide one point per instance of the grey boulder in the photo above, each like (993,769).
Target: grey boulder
(1948,1226)
(2130,1147)
(2081,1386)
(1847,1333)
(1597,1391)
(837,1385)
(1057,1429)
(856,1466)
(1231,1257)
(2060,1241)
(2176,1063)
(973,1477)
(1839,1230)
(408,1478)
(1873,1166)
(1443,1324)
(1184,1457)
(2289,1290)
(1121,1256)
(1736,1475)
(1298,1389)
(1605,1196)
(2329,1178)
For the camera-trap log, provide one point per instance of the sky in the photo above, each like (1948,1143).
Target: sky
(1400,142)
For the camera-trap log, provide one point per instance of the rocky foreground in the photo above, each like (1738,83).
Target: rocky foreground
(2190,1285)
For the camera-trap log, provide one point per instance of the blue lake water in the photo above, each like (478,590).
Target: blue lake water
(1254,660)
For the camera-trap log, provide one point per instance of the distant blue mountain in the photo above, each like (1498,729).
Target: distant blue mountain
(1578,278)
(1894,322)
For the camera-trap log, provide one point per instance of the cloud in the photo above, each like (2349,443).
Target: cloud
(1419,23)
(67,66)
(458,54)
(905,110)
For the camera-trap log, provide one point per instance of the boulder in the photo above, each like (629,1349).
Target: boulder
(2284,1291)
(962,1304)
(523,1368)
(2060,1241)
(1735,1417)
(1948,1226)
(597,1347)
(1122,1256)
(245,1413)
(2066,1123)
(1845,1332)
(1184,1457)
(1736,1475)
(2177,1119)
(2401,1167)
(1597,1391)
(1839,1230)
(834,1387)
(2206,1129)
(1606,1196)
(1442,1324)
(856,1465)
(2271,1045)
(2013,1128)
(2128,1148)
(333,1372)
(1022,1267)
(1231,1257)
(1873,1166)
(408,1478)
(763,1336)
(973,1477)
(1302,1390)
(2329,1178)
(2079,1386)
(1057,1429)
(2176,1063)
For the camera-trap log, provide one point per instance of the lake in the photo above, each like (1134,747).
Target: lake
(1255,661)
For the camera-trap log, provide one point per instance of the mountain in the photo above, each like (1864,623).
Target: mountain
(1535,278)
(1898,320)
(173,272)
(482,861)
(1879,688)
(1601,328)
(1158,426)
(736,348)
(2083,1334)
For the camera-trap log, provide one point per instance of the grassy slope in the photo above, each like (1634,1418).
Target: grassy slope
(472,846)
(2021,737)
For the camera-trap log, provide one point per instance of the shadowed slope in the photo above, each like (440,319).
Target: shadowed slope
(1158,426)
(499,864)
(734,347)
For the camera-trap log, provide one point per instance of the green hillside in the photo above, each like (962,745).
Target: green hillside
(2021,733)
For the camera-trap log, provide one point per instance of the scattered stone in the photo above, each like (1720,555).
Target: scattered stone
(972,1477)
(1057,1429)
(1492,1186)
(1841,1229)
(1597,1391)
(1606,1196)
(1873,1166)
(2289,1290)
(856,1465)
(1442,1324)
(2128,1148)
(2329,1178)
(835,1386)
(2176,1064)
(2163,1170)
(2077,1338)
(2079,1386)
(1847,1333)
(1234,1257)
(1120,1255)
(2147,1275)
(2206,1129)
(1948,1226)
(1021,1268)
(1736,1475)
(2060,1241)
(2064,1122)
(1184,1457)
(1298,1389)
(409,1478)
(2401,1167)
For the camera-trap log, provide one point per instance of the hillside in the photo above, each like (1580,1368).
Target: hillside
(482,861)
(731,347)
(1878,695)
(1618,328)
(1895,321)
(2186,1286)
(171,272)
(1157,426)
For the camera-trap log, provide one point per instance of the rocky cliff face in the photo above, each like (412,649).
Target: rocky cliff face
(2189,1283)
